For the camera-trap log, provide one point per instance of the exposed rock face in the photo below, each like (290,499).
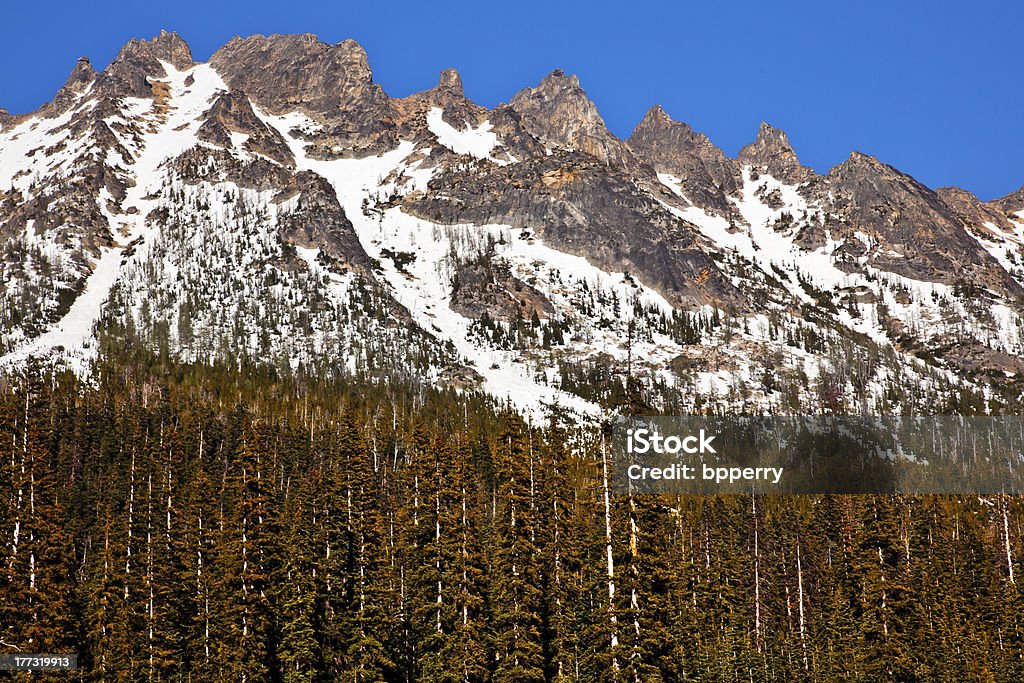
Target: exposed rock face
(552,172)
(920,236)
(1011,203)
(446,94)
(139,60)
(973,212)
(232,113)
(559,113)
(457,111)
(319,222)
(515,138)
(577,205)
(771,153)
(707,175)
(213,165)
(486,287)
(80,79)
(332,84)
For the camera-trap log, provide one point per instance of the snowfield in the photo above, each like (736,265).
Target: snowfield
(474,142)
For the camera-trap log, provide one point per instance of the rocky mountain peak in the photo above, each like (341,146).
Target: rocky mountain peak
(558,112)
(330,83)
(448,91)
(1011,203)
(458,111)
(706,174)
(167,47)
(657,120)
(450,83)
(557,81)
(771,152)
(972,211)
(141,60)
(5,118)
(922,236)
(859,164)
(283,73)
(81,75)
(655,117)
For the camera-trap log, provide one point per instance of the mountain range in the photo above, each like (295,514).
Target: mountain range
(275,205)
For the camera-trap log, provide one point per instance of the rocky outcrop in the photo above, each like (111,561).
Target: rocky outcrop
(707,176)
(448,95)
(973,212)
(213,165)
(1011,203)
(411,112)
(918,235)
(771,153)
(558,113)
(332,84)
(232,113)
(488,287)
(82,76)
(319,222)
(577,204)
(140,62)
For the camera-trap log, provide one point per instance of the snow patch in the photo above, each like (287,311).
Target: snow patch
(474,142)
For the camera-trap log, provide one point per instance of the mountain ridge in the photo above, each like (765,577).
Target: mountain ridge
(275,201)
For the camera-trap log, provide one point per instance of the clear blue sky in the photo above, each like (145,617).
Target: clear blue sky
(935,88)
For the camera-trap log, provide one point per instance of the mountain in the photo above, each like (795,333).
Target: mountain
(700,169)
(276,206)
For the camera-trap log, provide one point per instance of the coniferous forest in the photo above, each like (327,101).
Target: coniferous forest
(184,524)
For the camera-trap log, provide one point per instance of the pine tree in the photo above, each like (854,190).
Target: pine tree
(515,594)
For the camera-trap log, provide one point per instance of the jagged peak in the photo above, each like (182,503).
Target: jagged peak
(81,75)
(557,88)
(307,43)
(447,93)
(860,159)
(658,129)
(859,167)
(168,47)
(655,118)
(290,72)
(558,80)
(772,151)
(557,110)
(269,49)
(450,82)
(658,113)
(1012,202)
(770,137)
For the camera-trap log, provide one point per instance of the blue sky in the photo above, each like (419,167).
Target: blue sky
(934,88)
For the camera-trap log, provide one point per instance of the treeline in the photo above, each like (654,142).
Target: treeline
(209,526)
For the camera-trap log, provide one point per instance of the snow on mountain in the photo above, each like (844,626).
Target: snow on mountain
(153,204)
(474,142)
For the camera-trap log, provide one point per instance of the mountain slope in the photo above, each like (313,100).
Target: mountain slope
(276,206)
